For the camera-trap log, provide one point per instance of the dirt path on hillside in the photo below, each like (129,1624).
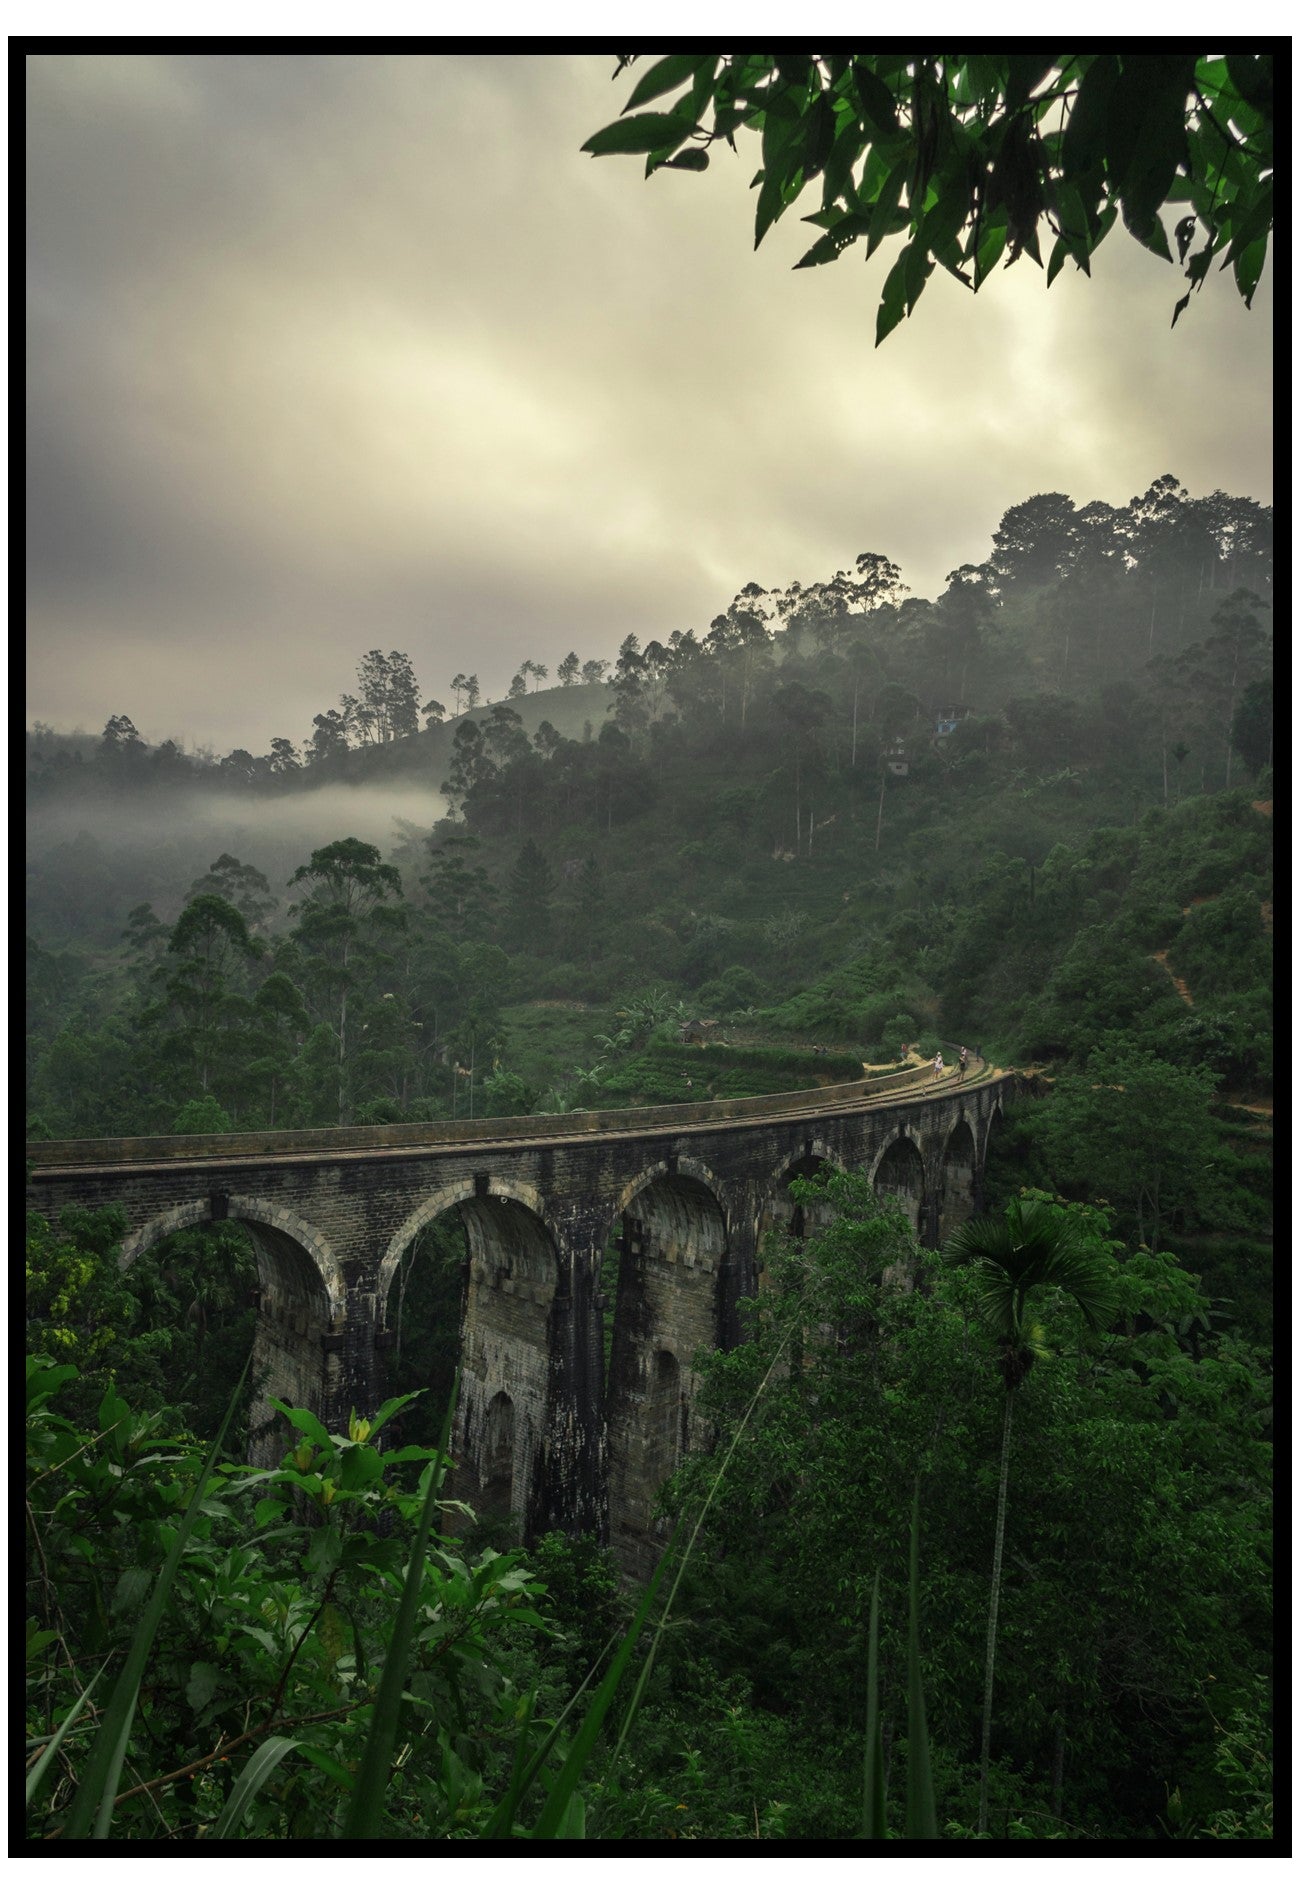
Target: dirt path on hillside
(1180,985)
(1207,899)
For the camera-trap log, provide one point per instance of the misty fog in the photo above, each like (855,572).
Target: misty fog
(106,854)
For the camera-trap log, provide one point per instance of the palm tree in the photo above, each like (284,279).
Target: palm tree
(1010,1255)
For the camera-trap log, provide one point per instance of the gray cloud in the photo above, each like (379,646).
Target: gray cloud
(332,351)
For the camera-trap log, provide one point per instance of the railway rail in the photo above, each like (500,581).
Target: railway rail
(400,1141)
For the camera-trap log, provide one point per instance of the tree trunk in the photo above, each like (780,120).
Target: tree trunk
(994,1602)
(879,817)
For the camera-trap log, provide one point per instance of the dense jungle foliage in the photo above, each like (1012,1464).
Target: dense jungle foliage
(1032,815)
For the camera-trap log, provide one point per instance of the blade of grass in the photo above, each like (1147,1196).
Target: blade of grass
(873,1821)
(370,1791)
(527,1767)
(98,1788)
(38,1771)
(258,1768)
(922,1819)
(574,1825)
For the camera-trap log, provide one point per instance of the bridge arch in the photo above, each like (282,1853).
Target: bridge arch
(991,1127)
(685,1167)
(957,1180)
(505,1408)
(899,1174)
(302,1297)
(453,1194)
(775,1208)
(280,1260)
(672,1252)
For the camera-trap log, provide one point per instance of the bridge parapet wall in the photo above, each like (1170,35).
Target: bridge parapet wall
(405,1137)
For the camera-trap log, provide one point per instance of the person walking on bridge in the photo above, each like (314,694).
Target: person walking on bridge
(938,1067)
(964,1061)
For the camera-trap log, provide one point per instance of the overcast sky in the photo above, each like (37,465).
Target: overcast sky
(330,352)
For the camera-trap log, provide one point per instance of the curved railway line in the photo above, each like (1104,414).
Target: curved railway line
(142,1154)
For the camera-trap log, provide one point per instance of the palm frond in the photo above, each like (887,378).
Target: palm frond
(1031,1245)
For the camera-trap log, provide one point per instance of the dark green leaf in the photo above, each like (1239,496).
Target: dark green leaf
(1024,73)
(389,1409)
(1149,232)
(703,85)
(1085,133)
(919,268)
(328,1764)
(651,131)
(361,1467)
(202,1684)
(1249,267)
(132,1587)
(664,76)
(878,105)
(947,217)
(844,231)
(844,153)
(893,301)
(794,68)
(263,1762)
(305,1422)
(324,1547)
(1251,74)
(886,204)
(771,202)
(991,244)
(819,138)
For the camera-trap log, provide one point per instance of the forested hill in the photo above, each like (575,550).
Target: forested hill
(1071,601)
(1033,815)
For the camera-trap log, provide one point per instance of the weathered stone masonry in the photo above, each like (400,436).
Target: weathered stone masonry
(539,1433)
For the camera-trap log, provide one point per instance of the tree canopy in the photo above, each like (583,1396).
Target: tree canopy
(969,154)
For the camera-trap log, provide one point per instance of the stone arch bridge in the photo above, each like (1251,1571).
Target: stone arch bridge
(544,1431)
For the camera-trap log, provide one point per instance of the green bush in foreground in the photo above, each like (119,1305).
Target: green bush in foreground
(277,1627)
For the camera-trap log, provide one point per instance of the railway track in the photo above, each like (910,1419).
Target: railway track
(402,1141)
